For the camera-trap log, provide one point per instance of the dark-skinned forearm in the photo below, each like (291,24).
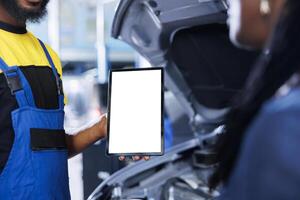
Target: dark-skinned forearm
(80,141)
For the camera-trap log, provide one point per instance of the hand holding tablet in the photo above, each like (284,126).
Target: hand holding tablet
(135,112)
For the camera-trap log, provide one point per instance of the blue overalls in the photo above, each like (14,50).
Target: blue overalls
(37,166)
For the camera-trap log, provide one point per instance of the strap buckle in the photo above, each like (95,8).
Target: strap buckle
(13,81)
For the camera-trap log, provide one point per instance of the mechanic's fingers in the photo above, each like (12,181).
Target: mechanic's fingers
(122,158)
(146,158)
(136,158)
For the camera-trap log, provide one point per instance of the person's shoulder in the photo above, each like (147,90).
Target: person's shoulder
(285,104)
(53,54)
(276,116)
(55,58)
(269,149)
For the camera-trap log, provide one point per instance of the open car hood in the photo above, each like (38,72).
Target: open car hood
(148,26)
(190,39)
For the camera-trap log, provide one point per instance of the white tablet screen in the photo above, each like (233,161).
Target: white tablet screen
(135,112)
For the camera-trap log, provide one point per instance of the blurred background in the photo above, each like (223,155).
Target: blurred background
(79,31)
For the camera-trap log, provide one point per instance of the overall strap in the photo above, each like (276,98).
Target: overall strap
(56,74)
(3,65)
(18,85)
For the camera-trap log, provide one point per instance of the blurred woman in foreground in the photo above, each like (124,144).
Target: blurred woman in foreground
(259,154)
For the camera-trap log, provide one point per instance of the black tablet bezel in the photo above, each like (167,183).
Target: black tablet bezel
(162,113)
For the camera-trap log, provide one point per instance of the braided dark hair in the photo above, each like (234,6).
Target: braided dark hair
(274,68)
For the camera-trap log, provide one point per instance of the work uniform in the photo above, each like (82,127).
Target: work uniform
(33,153)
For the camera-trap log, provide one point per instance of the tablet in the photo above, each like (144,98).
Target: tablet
(135,112)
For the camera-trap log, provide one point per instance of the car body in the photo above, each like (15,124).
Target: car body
(204,71)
